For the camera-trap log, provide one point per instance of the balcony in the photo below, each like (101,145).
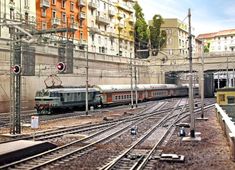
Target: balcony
(82,42)
(131,31)
(94,30)
(112,34)
(131,21)
(125,6)
(102,19)
(92,5)
(121,25)
(26,8)
(55,21)
(12,5)
(111,13)
(119,16)
(82,3)
(74,26)
(44,4)
(82,15)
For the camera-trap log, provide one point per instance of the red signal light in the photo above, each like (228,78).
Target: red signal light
(16,69)
(61,66)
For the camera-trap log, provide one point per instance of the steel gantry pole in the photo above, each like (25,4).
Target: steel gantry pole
(87,80)
(192,126)
(131,70)
(202,82)
(227,79)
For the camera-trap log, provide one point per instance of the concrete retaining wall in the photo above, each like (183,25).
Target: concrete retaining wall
(103,69)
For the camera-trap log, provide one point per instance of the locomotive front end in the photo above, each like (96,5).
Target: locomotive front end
(46,101)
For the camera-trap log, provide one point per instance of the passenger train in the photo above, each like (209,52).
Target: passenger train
(54,99)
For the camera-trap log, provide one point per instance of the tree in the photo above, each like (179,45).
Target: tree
(207,48)
(157,36)
(141,31)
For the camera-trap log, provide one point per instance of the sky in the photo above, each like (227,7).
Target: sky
(207,15)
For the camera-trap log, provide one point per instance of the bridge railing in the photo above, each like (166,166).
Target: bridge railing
(228,127)
(223,53)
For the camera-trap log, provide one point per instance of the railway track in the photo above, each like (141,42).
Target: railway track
(137,156)
(26,115)
(71,149)
(131,158)
(78,148)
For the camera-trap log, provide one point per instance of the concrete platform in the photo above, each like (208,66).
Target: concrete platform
(204,118)
(13,151)
(190,139)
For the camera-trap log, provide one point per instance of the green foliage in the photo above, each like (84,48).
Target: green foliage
(157,37)
(207,48)
(141,29)
(143,32)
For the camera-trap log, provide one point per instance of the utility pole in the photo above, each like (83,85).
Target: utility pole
(227,80)
(136,93)
(202,82)
(87,80)
(192,126)
(233,76)
(131,81)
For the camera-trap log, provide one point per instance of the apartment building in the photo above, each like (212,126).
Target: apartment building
(220,41)
(14,11)
(106,26)
(56,14)
(111,27)
(177,37)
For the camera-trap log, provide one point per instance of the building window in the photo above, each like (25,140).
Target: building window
(11,13)
(105,28)
(26,3)
(44,26)
(231,99)
(71,6)
(63,3)
(72,19)
(81,36)
(80,23)
(92,12)
(103,49)
(63,17)
(43,12)
(54,14)
(92,37)
(99,39)
(26,17)
(111,40)
(53,2)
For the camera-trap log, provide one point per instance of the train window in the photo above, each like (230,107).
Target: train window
(221,97)
(231,99)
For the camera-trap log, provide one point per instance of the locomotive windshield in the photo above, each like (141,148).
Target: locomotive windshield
(42,93)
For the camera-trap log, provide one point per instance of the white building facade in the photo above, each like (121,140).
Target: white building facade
(110,27)
(17,10)
(221,41)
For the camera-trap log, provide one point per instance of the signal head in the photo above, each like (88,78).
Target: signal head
(61,66)
(16,69)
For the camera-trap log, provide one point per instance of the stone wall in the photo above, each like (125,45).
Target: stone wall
(103,69)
